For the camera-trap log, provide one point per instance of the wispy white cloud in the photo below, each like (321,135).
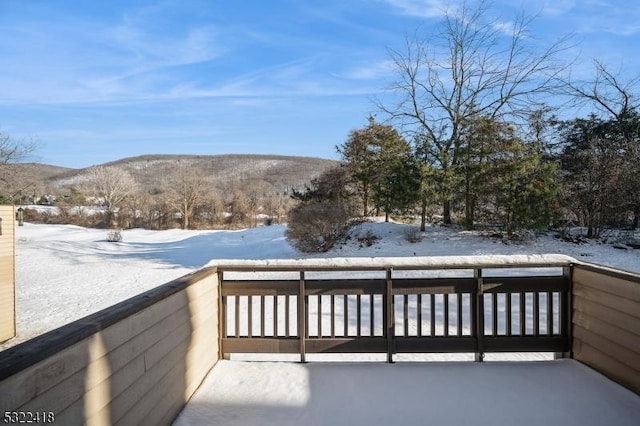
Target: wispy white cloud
(423,8)
(69,58)
(556,7)
(369,71)
(196,44)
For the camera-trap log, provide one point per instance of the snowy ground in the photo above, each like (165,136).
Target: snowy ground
(66,272)
(561,392)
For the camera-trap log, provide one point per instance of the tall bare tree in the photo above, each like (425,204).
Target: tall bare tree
(113,185)
(471,67)
(186,188)
(616,99)
(256,191)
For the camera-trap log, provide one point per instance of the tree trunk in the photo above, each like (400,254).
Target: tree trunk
(423,213)
(446,214)
(469,210)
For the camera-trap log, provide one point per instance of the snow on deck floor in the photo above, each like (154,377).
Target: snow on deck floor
(562,392)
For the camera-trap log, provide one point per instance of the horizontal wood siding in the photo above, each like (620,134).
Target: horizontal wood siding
(606,323)
(7,273)
(141,369)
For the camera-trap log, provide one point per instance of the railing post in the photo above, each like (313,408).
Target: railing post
(566,308)
(222,317)
(302,319)
(389,316)
(479,309)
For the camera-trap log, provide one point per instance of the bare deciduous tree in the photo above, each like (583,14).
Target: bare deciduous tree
(256,191)
(238,207)
(617,100)
(113,185)
(13,151)
(185,190)
(472,67)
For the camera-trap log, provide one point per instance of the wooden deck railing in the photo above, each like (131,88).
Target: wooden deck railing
(408,308)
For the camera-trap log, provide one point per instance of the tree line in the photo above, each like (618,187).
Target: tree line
(478,129)
(183,198)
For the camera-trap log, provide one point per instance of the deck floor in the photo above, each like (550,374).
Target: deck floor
(562,392)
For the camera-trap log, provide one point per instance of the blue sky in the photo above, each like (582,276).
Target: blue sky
(96,81)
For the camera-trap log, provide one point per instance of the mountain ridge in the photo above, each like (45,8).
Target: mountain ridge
(225,171)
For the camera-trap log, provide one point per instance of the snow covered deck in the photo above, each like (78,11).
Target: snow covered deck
(562,392)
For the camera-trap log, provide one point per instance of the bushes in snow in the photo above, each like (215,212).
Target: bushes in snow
(324,213)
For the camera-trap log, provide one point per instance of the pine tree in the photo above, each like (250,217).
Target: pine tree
(381,161)
(525,189)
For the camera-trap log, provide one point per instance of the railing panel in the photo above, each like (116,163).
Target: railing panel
(409,314)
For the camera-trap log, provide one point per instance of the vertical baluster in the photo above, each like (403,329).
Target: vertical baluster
(405,314)
(432,300)
(287,318)
(494,314)
(459,322)
(319,315)
(303,306)
(550,313)
(536,313)
(419,315)
(508,309)
(371,316)
(358,316)
(237,316)
(346,315)
(333,315)
(446,314)
(262,315)
(523,314)
(250,315)
(224,315)
(275,315)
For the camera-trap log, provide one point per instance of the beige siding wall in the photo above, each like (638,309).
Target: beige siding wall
(139,370)
(7,273)
(606,323)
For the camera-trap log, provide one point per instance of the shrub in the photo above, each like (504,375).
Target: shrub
(412,234)
(368,239)
(317,225)
(114,236)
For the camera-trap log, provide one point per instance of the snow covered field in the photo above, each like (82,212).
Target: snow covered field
(66,272)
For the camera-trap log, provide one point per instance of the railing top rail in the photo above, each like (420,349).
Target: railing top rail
(396,263)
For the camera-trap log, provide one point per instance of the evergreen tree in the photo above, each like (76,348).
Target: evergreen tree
(499,171)
(524,189)
(382,164)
